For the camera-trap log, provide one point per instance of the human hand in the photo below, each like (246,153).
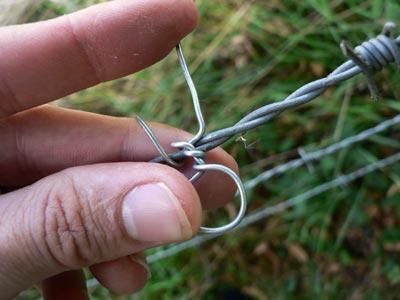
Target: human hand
(76,202)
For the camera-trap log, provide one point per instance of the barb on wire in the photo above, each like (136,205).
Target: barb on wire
(377,53)
(351,54)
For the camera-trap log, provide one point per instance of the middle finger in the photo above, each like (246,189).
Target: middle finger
(45,140)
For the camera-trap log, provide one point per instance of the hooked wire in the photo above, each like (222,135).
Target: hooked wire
(190,151)
(195,97)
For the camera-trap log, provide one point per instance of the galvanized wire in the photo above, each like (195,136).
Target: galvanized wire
(318,154)
(371,56)
(190,151)
(275,209)
(294,164)
(267,211)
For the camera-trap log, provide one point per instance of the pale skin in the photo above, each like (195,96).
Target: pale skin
(78,184)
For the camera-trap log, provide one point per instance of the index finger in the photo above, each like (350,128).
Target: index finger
(44,61)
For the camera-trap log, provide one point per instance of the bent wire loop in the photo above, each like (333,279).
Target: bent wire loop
(190,151)
(371,56)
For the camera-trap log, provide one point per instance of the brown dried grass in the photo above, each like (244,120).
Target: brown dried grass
(16,11)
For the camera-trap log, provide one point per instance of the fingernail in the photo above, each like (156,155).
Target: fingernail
(141,260)
(152,213)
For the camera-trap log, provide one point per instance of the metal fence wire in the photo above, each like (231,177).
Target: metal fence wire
(270,210)
(367,58)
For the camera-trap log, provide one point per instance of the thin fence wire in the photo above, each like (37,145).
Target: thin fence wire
(318,154)
(268,211)
(291,165)
(275,209)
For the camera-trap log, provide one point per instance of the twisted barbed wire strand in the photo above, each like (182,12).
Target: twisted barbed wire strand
(369,57)
(376,53)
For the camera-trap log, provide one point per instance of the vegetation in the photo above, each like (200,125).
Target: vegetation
(344,244)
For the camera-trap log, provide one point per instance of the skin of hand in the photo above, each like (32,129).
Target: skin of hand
(80,190)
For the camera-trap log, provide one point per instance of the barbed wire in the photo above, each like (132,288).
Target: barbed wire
(367,58)
(371,56)
(282,206)
(307,157)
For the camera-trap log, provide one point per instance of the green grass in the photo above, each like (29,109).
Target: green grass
(340,245)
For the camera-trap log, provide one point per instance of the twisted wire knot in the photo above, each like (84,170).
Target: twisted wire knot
(374,55)
(190,151)
(379,52)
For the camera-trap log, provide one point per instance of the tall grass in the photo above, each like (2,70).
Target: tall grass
(16,11)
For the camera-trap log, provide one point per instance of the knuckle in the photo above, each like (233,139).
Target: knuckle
(68,225)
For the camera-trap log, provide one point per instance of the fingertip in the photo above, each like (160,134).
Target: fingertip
(121,37)
(158,203)
(124,275)
(191,15)
(44,61)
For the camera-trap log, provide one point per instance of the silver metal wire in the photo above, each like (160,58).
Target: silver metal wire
(201,167)
(320,153)
(195,97)
(190,151)
(242,195)
(371,56)
(268,210)
(155,142)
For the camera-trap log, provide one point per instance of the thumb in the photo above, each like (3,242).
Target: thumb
(86,215)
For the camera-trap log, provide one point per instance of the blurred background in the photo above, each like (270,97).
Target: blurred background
(342,244)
